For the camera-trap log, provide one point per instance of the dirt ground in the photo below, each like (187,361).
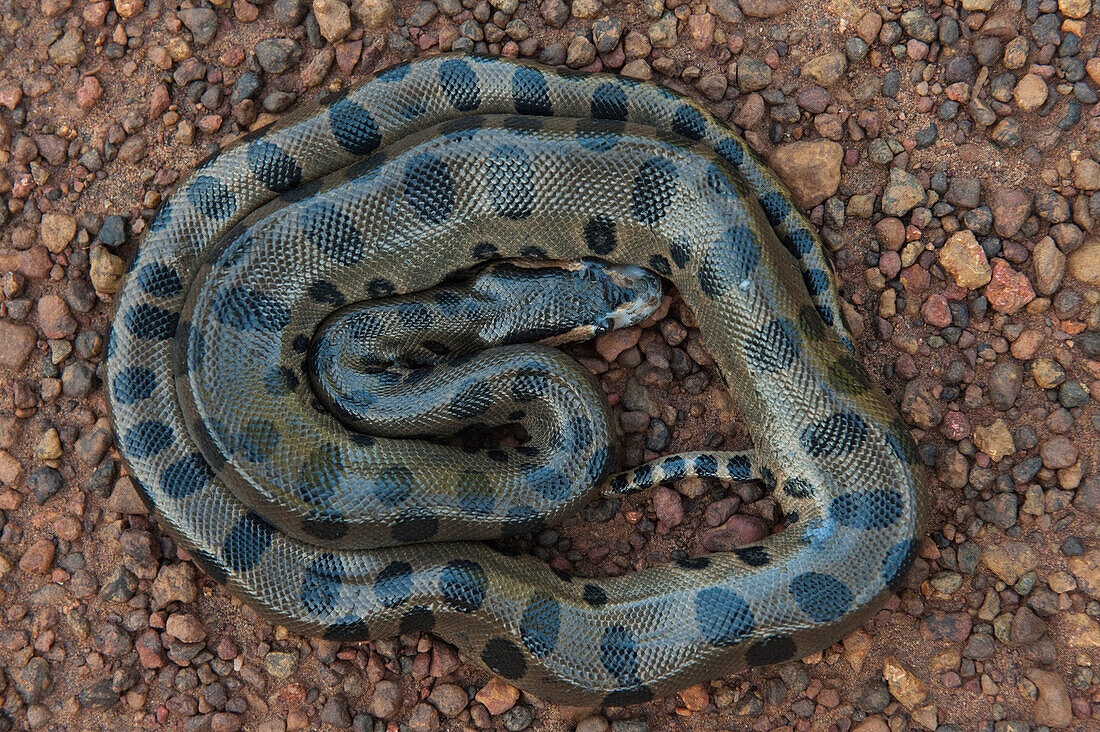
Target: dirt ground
(949,153)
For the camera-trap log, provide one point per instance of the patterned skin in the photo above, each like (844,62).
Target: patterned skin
(391,187)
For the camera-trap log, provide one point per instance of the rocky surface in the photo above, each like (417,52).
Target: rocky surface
(950,154)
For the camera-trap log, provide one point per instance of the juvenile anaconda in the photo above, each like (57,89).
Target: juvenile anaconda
(390,188)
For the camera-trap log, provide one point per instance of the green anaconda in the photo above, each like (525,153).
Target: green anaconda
(256,437)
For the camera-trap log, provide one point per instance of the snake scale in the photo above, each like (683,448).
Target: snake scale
(333,216)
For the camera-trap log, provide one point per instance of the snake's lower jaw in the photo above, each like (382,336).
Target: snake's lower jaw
(644,290)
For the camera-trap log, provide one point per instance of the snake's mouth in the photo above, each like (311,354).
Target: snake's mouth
(641,293)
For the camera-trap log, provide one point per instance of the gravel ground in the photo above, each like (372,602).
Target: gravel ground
(950,156)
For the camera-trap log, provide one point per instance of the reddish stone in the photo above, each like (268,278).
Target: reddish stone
(1009,290)
(935,311)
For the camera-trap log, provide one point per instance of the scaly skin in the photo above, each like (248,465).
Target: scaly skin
(355,538)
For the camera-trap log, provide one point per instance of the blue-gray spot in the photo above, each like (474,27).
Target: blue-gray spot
(609,102)
(211,197)
(823,597)
(463,585)
(839,434)
(276,170)
(246,309)
(460,85)
(354,128)
(185,476)
(730,260)
(159,280)
(530,94)
(246,542)
(653,187)
(393,585)
(151,323)
(321,585)
(773,347)
(875,508)
(133,384)
(429,188)
(146,439)
(540,624)
(723,617)
(688,122)
(333,232)
(619,654)
(511,179)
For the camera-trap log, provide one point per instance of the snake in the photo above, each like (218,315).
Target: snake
(315,337)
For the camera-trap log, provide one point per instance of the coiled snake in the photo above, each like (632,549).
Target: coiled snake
(228,394)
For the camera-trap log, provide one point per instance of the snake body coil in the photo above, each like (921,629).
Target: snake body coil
(390,188)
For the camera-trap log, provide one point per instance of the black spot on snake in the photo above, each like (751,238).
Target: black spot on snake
(773,347)
(719,183)
(146,439)
(599,235)
(249,310)
(875,508)
(599,465)
(767,477)
(323,291)
(617,484)
(162,219)
(485,251)
(688,122)
(414,526)
(829,318)
(582,435)
(246,542)
(637,694)
(133,384)
(680,251)
(332,232)
(817,282)
(653,188)
(429,188)
(150,323)
(348,631)
(504,658)
(776,649)
(325,526)
(321,584)
(211,197)
(272,167)
(722,616)
(839,434)
(642,477)
(185,476)
(594,595)
(731,151)
(823,597)
(660,265)
(609,102)
(394,73)
(463,585)
(473,398)
(739,467)
(530,93)
(540,623)
(754,556)
(619,654)
(319,478)
(798,488)
(799,242)
(159,280)
(460,85)
(353,128)
(393,585)
(674,467)
(693,563)
(731,259)
(706,466)
(380,287)
(775,207)
(417,619)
